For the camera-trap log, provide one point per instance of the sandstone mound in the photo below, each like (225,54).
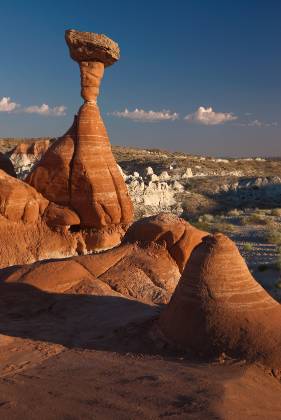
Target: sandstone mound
(51,175)
(219,307)
(180,237)
(147,274)
(6,165)
(19,201)
(26,222)
(79,170)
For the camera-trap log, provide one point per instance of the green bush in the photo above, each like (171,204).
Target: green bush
(248,247)
(256,219)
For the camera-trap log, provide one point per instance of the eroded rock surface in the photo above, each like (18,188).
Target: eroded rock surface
(147,273)
(218,307)
(179,236)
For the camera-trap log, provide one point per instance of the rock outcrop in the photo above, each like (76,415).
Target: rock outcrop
(179,236)
(25,155)
(219,307)
(26,222)
(79,170)
(146,273)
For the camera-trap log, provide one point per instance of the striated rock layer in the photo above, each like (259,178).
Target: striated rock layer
(146,273)
(79,170)
(219,307)
(27,222)
(179,236)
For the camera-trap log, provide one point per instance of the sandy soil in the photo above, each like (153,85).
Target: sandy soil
(92,357)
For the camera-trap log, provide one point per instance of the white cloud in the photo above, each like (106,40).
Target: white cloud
(258,123)
(6,105)
(146,116)
(255,123)
(207,116)
(44,109)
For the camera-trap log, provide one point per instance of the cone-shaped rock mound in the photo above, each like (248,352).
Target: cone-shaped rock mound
(219,307)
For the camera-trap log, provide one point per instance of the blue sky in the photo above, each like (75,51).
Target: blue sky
(215,64)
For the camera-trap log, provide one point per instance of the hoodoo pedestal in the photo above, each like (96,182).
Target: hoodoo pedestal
(79,170)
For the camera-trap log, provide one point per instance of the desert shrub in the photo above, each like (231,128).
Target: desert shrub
(201,225)
(256,219)
(222,227)
(248,247)
(243,220)
(276,212)
(234,213)
(273,236)
(207,218)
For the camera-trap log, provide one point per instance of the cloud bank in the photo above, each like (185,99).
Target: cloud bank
(258,123)
(44,109)
(207,116)
(146,116)
(6,105)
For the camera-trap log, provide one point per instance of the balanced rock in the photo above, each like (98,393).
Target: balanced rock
(88,46)
(219,307)
(79,170)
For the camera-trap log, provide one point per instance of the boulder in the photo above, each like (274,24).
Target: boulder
(179,236)
(149,171)
(88,46)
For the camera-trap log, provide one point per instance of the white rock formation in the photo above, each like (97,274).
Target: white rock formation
(164,176)
(188,173)
(149,171)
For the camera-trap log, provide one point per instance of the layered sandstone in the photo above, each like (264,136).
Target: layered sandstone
(145,273)
(79,170)
(27,222)
(219,307)
(179,236)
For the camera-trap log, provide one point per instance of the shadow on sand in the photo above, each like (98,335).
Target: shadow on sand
(74,320)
